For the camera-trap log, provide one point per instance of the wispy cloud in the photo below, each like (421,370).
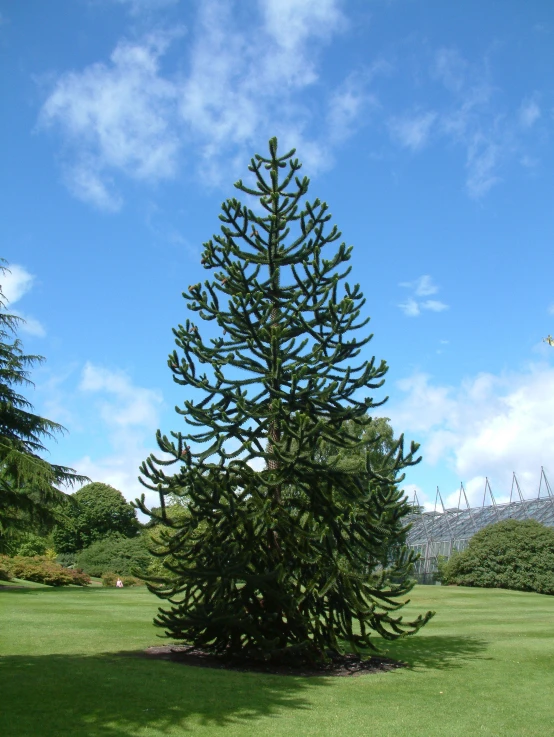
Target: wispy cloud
(483,159)
(422,287)
(128,416)
(450,68)
(16,281)
(248,84)
(351,103)
(529,113)
(412,131)
(132,117)
(434,305)
(15,284)
(474,118)
(291,23)
(118,416)
(411,308)
(116,117)
(470,119)
(467,112)
(128,406)
(139,7)
(489,425)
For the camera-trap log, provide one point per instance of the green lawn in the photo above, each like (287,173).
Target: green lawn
(483,666)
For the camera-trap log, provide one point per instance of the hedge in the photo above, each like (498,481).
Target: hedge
(513,554)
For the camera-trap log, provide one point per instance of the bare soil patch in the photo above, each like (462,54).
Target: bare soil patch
(340,665)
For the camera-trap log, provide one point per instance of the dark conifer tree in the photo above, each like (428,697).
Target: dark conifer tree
(291,560)
(30,499)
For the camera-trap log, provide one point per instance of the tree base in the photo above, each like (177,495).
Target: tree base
(339,665)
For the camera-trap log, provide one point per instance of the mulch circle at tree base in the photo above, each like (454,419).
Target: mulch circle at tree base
(340,665)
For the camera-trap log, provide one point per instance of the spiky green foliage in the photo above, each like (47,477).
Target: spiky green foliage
(30,499)
(303,555)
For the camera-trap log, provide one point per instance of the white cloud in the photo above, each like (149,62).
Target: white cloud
(346,105)
(473,121)
(483,157)
(116,117)
(56,402)
(529,162)
(529,113)
(469,115)
(130,406)
(423,286)
(488,426)
(412,131)
(31,326)
(292,23)
(138,7)
(15,284)
(450,68)
(434,305)
(410,308)
(245,86)
(242,86)
(122,418)
(85,183)
(128,416)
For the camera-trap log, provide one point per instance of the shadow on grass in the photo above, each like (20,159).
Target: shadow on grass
(113,696)
(435,651)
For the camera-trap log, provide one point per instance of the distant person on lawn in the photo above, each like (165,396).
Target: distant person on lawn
(119,583)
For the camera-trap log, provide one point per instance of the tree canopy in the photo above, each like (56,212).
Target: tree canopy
(30,497)
(285,551)
(99,511)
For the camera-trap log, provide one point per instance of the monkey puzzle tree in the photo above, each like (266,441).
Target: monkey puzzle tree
(291,560)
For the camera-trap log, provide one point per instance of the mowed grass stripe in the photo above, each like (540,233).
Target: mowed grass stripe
(490,653)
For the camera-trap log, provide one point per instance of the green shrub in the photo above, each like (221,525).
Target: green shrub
(110,579)
(41,569)
(33,545)
(4,570)
(122,554)
(67,560)
(442,562)
(132,581)
(512,554)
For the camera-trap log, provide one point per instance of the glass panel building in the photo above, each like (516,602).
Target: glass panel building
(443,532)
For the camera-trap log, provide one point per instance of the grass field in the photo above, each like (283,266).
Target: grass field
(483,666)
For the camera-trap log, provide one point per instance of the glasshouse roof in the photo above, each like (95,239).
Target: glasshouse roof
(458,523)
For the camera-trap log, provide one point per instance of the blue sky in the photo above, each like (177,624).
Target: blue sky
(427,127)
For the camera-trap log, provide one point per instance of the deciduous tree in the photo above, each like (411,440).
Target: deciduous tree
(99,511)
